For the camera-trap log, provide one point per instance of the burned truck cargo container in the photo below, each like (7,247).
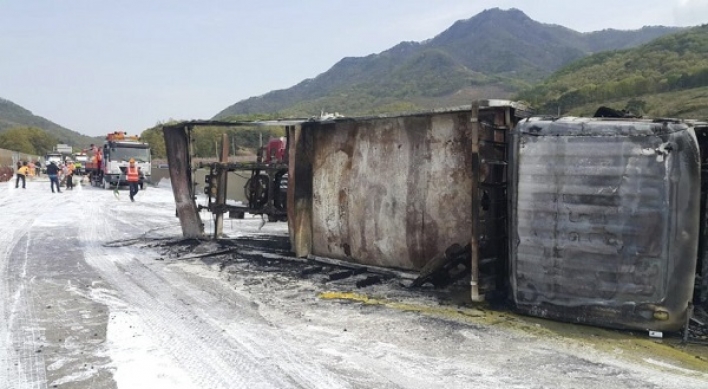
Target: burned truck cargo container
(605,220)
(393,191)
(385,191)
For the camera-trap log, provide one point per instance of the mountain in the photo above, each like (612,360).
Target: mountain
(493,54)
(665,77)
(13,115)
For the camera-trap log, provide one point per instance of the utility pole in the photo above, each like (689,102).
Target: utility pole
(233,147)
(221,187)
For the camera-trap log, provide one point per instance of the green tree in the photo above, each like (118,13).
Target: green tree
(636,106)
(207,140)
(27,140)
(153,136)
(671,63)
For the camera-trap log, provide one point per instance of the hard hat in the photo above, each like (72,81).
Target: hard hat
(132,160)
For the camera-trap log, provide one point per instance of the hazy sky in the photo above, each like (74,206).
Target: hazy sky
(96,66)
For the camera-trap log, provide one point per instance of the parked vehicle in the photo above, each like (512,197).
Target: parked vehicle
(55,157)
(80,160)
(110,170)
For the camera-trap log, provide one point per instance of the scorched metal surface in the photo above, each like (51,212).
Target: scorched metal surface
(388,191)
(605,221)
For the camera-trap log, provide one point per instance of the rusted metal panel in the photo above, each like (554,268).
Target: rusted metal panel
(384,191)
(605,221)
(300,153)
(178,157)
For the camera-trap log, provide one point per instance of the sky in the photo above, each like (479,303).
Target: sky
(99,66)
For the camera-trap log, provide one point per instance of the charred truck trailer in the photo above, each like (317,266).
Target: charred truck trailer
(590,220)
(586,220)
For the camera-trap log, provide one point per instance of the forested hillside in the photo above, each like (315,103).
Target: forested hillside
(27,140)
(666,77)
(493,54)
(14,116)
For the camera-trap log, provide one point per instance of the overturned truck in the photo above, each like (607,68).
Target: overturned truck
(591,220)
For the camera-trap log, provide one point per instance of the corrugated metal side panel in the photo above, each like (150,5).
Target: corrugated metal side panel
(582,200)
(392,191)
(601,221)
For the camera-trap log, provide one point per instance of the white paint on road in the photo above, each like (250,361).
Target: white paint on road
(188,324)
(138,361)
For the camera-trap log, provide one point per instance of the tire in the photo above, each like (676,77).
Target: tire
(256,191)
(106,184)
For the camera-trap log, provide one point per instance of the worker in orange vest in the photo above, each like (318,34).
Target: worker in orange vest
(31,169)
(133,177)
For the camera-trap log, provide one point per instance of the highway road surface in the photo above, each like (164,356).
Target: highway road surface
(99,292)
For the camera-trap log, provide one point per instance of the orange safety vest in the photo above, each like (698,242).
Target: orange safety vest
(132,174)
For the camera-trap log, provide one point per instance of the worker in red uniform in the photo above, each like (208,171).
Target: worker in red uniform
(98,153)
(133,178)
(96,159)
(69,174)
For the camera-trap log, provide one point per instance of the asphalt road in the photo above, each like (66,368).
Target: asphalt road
(96,293)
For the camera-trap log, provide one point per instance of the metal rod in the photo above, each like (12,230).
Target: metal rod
(221,188)
(474,242)
(689,314)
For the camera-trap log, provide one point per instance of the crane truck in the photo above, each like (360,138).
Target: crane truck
(108,165)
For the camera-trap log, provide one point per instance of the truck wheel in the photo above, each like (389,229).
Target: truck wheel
(106,184)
